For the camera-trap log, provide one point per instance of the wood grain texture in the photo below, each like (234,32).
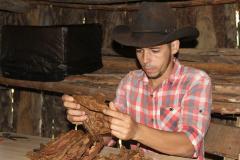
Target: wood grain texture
(44,13)
(54,119)
(223,140)
(29,113)
(17,6)
(6,118)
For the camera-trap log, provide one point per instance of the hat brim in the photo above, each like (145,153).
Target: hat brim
(123,35)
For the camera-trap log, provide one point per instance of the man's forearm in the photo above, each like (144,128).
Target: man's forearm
(173,143)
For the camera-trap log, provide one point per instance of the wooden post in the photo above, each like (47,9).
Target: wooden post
(205,23)
(29,113)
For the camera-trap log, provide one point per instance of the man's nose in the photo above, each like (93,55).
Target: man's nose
(146,57)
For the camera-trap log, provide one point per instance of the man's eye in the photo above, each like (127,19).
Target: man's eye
(155,50)
(139,50)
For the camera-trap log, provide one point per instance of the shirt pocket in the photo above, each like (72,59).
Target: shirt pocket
(169,117)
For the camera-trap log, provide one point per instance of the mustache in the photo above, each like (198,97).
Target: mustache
(147,66)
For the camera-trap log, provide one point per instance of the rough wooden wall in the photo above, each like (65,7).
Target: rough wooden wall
(5,110)
(215,23)
(53,115)
(36,112)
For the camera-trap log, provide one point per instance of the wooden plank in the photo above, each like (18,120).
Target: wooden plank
(223,140)
(18,6)
(207,38)
(155,156)
(131,7)
(6,118)
(124,65)
(53,116)
(191,3)
(29,113)
(211,52)
(95,1)
(116,5)
(173,4)
(226,88)
(217,135)
(220,68)
(16,150)
(77,87)
(226,108)
(93,85)
(226,55)
(226,98)
(107,5)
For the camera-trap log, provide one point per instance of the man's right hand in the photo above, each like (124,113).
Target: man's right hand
(74,113)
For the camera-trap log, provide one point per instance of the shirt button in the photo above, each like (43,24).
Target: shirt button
(152,120)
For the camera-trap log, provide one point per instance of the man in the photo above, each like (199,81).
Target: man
(164,106)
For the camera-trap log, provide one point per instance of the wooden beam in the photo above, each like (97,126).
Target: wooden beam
(92,84)
(220,68)
(68,87)
(121,5)
(226,98)
(105,7)
(192,3)
(226,88)
(95,1)
(18,6)
(223,140)
(123,65)
(226,108)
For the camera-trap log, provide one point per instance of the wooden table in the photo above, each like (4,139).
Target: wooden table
(17,149)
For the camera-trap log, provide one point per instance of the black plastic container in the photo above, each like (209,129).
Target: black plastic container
(50,53)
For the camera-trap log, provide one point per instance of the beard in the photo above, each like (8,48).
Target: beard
(156,76)
(160,72)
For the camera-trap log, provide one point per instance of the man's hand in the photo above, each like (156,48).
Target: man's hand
(74,113)
(122,125)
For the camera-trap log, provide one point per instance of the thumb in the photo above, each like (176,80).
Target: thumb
(112,106)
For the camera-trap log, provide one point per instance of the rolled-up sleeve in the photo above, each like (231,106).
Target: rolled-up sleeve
(196,112)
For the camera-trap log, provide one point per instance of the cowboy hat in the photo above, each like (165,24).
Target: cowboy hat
(155,23)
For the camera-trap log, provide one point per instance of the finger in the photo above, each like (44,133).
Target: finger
(75,112)
(118,128)
(112,107)
(76,119)
(71,105)
(66,97)
(117,122)
(114,114)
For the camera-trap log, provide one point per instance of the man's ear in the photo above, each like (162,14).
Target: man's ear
(175,46)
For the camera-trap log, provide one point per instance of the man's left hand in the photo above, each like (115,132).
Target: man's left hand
(122,125)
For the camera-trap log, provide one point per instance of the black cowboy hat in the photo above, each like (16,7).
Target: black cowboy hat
(155,23)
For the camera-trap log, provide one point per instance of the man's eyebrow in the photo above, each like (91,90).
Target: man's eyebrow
(157,47)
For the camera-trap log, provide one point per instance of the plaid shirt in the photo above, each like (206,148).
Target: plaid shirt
(179,104)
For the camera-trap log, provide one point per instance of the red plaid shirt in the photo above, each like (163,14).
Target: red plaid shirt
(180,104)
